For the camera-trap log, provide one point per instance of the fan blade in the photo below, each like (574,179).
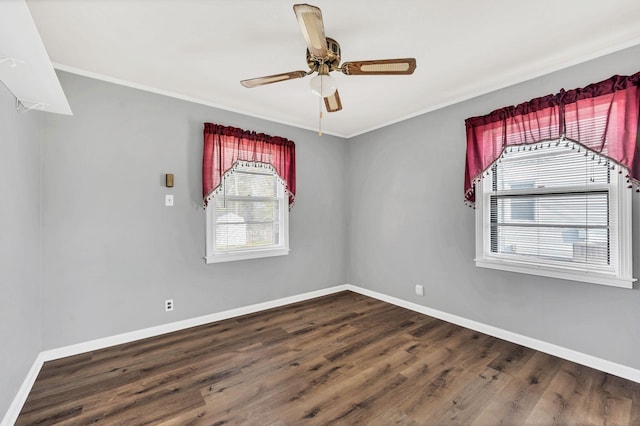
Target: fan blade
(403,66)
(253,82)
(332,103)
(310,20)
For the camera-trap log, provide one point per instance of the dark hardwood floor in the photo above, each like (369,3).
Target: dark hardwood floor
(340,359)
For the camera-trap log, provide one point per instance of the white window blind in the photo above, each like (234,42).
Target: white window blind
(247,214)
(556,209)
(550,203)
(249,218)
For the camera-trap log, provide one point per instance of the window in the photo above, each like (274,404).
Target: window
(550,179)
(248,186)
(250,217)
(555,209)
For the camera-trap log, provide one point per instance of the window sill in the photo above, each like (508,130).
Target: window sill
(561,273)
(245,255)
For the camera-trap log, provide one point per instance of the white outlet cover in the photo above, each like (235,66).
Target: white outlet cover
(419,290)
(168,200)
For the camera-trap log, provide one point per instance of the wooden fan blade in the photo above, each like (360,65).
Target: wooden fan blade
(310,20)
(403,66)
(332,102)
(260,81)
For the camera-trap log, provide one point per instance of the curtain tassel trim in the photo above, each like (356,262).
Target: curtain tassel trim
(632,183)
(219,190)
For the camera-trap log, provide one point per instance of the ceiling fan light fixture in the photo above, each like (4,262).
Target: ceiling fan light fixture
(323,85)
(323,56)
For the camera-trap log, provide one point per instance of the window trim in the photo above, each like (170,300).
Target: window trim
(217,256)
(620,275)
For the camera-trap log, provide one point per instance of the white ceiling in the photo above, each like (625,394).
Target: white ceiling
(200,49)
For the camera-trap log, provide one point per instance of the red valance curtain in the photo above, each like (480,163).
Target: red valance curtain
(602,117)
(225,147)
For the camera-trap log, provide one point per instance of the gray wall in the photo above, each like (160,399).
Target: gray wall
(112,253)
(383,211)
(408,225)
(20,334)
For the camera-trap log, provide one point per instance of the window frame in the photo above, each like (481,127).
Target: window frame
(217,256)
(618,275)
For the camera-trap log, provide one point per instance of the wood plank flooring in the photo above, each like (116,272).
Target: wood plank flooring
(341,359)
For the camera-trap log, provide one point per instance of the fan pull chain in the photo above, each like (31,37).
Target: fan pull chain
(320,110)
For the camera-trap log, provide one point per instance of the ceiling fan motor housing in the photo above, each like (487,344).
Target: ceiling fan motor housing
(332,60)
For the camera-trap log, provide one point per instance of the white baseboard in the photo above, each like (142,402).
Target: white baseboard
(559,351)
(132,336)
(16,405)
(616,369)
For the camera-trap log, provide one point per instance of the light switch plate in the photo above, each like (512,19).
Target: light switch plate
(168,200)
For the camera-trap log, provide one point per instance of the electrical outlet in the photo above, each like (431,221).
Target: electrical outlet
(419,290)
(168,305)
(168,200)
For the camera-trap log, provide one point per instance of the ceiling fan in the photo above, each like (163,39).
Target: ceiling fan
(323,57)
